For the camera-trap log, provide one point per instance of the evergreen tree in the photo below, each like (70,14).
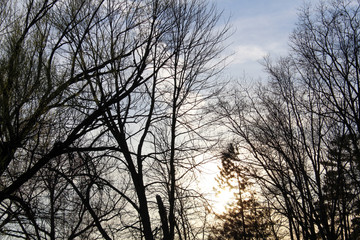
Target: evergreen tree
(341,186)
(245,217)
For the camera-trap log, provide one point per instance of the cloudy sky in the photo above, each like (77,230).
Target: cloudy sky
(261,27)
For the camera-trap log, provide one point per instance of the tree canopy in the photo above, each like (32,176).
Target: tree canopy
(101,108)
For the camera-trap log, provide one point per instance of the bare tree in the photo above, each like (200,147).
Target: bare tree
(45,106)
(159,129)
(97,98)
(293,131)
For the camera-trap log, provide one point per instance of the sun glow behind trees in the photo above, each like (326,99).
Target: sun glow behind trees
(302,127)
(222,198)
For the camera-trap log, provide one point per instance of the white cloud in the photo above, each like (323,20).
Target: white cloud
(246,53)
(260,28)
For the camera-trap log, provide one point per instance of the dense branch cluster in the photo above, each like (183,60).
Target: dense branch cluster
(100,114)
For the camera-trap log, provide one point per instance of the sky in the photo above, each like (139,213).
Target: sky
(260,28)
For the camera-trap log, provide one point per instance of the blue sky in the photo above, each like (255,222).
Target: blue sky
(262,27)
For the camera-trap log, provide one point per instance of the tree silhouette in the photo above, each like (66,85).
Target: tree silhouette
(245,217)
(301,129)
(341,183)
(101,111)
